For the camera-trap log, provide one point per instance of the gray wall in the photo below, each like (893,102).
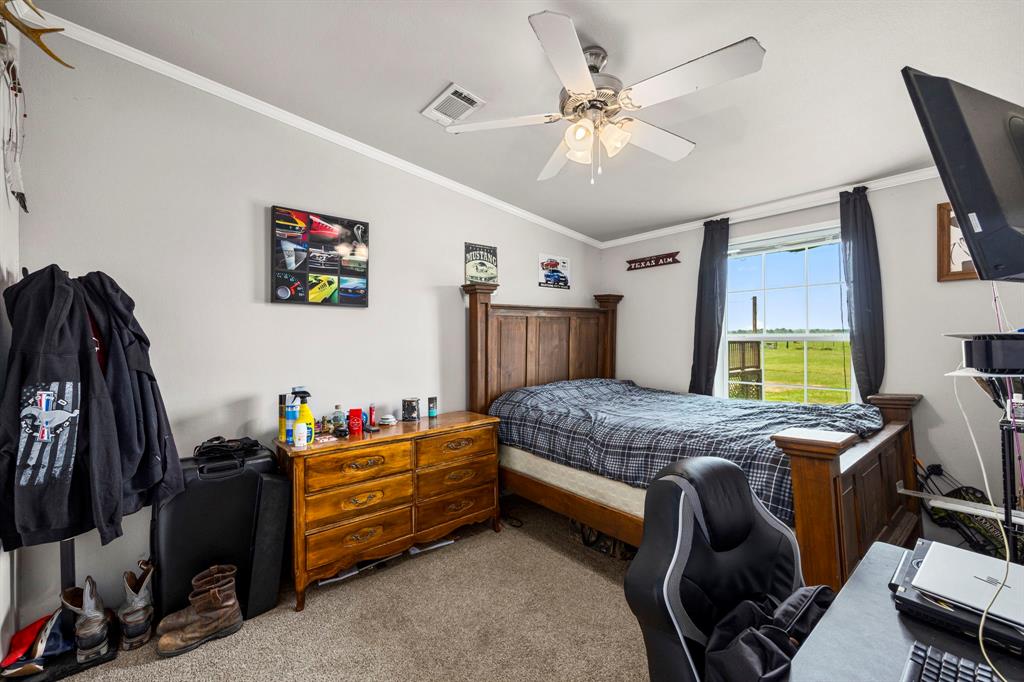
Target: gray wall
(167,190)
(9,274)
(655,343)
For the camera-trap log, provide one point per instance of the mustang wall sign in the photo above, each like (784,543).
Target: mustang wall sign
(652,261)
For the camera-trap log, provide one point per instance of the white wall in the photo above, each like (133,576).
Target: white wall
(9,274)
(655,343)
(167,190)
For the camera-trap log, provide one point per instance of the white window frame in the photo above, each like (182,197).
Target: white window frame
(781,240)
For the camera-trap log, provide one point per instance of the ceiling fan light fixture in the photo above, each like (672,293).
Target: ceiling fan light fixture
(599,109)
(579,136)
(614,138)
(584,157)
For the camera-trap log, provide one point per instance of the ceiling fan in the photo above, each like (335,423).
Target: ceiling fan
(598,107)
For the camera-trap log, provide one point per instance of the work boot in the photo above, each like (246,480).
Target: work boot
(217,615)
(211,577)
(91,623)
(136,614)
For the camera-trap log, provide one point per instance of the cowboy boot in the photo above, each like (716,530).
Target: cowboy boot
(203,580)
(92,620)
(217,615)
(136,614)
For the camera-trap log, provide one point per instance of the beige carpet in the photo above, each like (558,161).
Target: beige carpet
(528,603)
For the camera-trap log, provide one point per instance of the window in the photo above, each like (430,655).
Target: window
(785,321)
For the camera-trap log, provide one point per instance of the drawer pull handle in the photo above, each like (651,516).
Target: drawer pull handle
(365,534)
(368,498)
(458,444)
(456,507)
(367,463)
(459,475)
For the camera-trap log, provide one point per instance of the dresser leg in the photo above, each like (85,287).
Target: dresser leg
(496,521)
(300,599)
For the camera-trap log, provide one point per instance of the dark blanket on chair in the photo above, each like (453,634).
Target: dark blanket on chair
(629,433)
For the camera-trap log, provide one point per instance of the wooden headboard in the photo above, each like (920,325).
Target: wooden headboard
(511,346)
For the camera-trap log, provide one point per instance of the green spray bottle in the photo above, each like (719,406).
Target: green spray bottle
(305,414)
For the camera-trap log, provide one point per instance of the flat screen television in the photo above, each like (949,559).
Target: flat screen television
(977,141)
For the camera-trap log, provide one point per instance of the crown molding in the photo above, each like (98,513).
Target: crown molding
(800,202)
(152,63)
(164,68)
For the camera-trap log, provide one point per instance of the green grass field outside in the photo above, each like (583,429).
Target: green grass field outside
(828,366)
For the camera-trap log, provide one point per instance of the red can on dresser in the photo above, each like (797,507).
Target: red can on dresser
(355,421)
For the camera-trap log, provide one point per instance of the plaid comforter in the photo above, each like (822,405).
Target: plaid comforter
(628,433)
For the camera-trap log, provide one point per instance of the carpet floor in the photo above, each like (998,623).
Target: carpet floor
(528,603)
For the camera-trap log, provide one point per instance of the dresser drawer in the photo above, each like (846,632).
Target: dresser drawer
(450,507)
(346,543)
(341,504)
(352,466)
(452,446)
(459,476)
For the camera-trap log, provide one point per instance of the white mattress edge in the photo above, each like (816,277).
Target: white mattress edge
(615,494)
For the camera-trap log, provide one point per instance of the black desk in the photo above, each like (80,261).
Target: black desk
(863,637)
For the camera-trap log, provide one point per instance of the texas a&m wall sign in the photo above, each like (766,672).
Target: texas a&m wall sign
(652,261)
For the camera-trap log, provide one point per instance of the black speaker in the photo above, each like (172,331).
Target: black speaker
(234,510)
(268,545)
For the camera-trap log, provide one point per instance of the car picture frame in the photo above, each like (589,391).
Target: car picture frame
(318,259)
(553,272)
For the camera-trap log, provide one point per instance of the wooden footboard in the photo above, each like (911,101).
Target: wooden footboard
(844,490)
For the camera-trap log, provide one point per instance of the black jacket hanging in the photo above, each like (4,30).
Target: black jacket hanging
(60,471)
(150,467)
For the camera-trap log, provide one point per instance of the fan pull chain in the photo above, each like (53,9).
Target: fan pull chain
(594,158)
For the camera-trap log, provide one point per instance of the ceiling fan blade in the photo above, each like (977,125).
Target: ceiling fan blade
(657,141)
(555,163)
(557,36)
(716,67)
(532,119)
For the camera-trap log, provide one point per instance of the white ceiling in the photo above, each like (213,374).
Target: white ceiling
(828,108)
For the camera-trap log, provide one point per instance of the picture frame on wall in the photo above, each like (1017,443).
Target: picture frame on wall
(553,272)
(953,260)
(318,259)
(481,263)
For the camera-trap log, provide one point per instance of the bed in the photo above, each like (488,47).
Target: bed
(832,473)
(627,433)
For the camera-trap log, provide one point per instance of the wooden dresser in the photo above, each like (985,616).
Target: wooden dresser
(377,495)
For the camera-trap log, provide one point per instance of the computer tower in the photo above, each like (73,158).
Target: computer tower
(234,510)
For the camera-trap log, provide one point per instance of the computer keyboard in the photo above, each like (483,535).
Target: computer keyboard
(929,664)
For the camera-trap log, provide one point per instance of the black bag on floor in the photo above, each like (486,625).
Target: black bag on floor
(757,640)
(234,510)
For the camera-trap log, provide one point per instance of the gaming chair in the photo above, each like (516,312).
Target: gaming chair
(708,544)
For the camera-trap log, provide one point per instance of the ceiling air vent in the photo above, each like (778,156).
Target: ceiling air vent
(454,104)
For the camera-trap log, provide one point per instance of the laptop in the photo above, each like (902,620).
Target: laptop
(969,580)
(941,614)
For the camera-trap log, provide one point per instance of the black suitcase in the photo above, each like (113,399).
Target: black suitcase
(234,510)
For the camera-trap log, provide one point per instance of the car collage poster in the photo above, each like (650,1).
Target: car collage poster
(554,272)
(318,259)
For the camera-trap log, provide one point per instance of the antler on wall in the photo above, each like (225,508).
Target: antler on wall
(33,34)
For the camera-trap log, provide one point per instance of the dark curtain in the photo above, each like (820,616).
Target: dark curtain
(707,329)
(864,290)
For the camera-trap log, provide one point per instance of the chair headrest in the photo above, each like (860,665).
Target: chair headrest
(725,499)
